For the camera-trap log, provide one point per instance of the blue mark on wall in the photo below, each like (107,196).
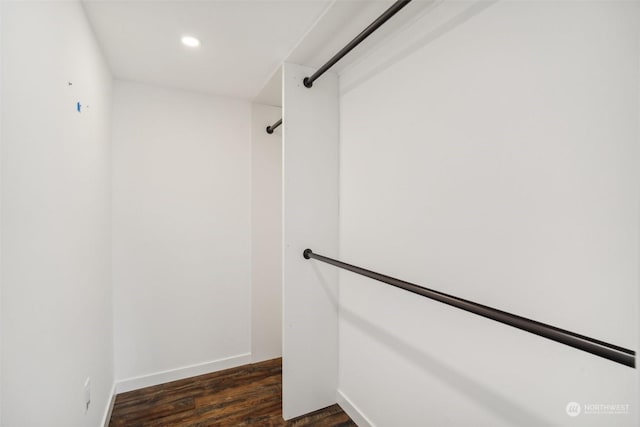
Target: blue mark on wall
(79,107)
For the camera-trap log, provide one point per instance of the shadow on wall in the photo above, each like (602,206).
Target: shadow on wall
(459,19)
(498,404)
(323,281)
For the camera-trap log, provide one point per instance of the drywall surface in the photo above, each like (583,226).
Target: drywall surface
(496,160)
(310,220)
(1,96)
(56,285)
(266,234)
(181,232)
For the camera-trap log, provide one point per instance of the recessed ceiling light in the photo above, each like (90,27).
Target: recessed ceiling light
(190,41)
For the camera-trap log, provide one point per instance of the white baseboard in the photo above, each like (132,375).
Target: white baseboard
(353,411)
(107,411)
(162,377)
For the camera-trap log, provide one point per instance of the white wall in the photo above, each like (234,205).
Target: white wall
(497,161)
(56,295)
(310,220)
(266,234)
(181,233)
(1,134)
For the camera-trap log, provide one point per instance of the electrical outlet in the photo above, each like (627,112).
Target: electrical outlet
(87,394)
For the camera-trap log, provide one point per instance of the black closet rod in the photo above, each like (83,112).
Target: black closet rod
(308,81)
(273,127)
(395,8)
(599,348)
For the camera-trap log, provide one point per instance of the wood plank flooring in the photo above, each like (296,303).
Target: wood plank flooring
(249,395)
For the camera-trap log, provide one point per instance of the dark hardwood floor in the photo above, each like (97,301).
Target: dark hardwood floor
(249,395)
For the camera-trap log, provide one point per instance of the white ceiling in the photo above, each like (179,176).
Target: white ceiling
(243,41)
